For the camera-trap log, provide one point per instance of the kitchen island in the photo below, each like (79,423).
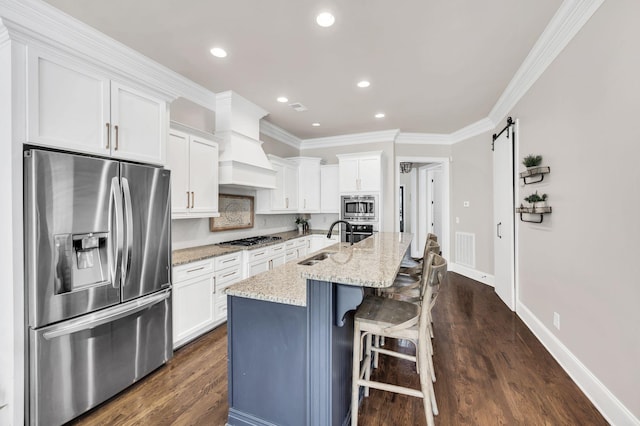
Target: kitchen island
(290,333)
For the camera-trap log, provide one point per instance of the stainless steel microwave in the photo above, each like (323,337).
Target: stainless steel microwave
(359,207)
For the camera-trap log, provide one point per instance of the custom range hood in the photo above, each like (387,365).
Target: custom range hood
(242,161)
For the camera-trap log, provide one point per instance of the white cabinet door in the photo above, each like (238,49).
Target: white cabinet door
(291,187)
(329,194)
(68,105)
(192,307)
(73,107)
(348,174)
(369,172)
(178,163)
(203,177)
(316,243)
(278,194)
(308,183)
(139,125)
(258,267)
(278,261)
(360,172)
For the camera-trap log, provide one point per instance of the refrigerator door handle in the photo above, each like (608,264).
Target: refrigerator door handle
(105,316)
(128,243)
(115,208)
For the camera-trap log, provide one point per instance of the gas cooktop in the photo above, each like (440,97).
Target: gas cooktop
(252,241)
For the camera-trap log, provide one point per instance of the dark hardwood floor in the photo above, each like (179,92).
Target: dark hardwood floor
(491,370)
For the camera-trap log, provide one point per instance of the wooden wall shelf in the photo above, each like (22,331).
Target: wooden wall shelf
(536,173)
(532,211)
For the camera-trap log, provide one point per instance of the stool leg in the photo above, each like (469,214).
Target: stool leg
(355,374)
(376,342)
(367,363)
(426,384)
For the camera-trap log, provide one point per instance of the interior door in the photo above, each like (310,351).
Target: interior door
(503,213)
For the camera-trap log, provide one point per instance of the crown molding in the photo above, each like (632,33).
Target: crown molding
(34,21)
(279,134)
(351,139)
(565,24)
(474,129)
(424,139)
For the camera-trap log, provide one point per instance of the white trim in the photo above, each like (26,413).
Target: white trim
(473,129)
(424,139)
(609,406)
(279,134)
(351,139)
(33,21)
(474,274)
(564,25)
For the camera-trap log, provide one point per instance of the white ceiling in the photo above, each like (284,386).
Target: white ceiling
(435,66)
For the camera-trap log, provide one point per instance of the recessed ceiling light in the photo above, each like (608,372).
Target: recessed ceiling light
(219,52)
(282,99)
(364,83)
(325,19)
(315,124)
(379,115)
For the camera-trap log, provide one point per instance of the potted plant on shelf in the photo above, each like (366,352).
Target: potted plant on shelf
(532,161)
(538,202)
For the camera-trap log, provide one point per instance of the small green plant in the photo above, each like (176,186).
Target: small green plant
(532,160)
(534,198)
(300,221)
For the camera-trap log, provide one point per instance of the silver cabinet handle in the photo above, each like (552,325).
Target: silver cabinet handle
(108,135)
(193,199)
(228,274)
(498,229)
(187,199)
(230,260)
(116,128)
(195,269)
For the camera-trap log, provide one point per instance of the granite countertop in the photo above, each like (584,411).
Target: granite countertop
(373,262)
(192,254)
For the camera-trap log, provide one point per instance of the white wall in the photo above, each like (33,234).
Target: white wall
(582,261)
(472,181)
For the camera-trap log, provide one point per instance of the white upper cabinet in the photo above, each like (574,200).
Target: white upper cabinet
(360,172)
(74,107)
(329,194)
(308,183)
(193,162)
(284,198)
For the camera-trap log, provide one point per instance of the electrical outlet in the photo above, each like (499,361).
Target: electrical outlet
(556,320)
(465,204)
(457,219)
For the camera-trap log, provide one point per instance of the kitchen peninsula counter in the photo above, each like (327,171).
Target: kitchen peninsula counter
(290,333)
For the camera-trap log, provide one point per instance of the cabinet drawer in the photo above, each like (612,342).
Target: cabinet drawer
(276,250)
(228,261)
(227,277)
(221,307)
(258,254)
(193,269)
(298,242)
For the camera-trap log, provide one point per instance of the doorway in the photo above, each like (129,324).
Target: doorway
(425,200)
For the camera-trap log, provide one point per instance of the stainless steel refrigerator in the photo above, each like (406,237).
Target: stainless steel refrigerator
(98,291)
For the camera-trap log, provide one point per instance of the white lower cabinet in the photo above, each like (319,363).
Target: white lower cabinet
(296,248)
(193,287)
(199,302)
(319,241)
(265,259)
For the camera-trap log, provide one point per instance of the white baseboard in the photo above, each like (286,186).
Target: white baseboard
(610,407)
(474,274)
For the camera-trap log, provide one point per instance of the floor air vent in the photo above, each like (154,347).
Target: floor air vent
(466,249)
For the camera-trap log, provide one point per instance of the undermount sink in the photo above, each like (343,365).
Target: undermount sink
(315,258)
